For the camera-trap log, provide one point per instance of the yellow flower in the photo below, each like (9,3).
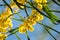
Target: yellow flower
(25,27)
(8,22)
(33,18)
(7,11)
(2,36)
(2,30)
(30,22)
(22,28)
(40,7)
(21,2)
(14,7)
(40,3)
(31,29)
(36,16)
(5,23)
(41,17)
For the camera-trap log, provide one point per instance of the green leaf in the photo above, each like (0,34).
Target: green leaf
(55,11)
(17,37)
(19,6)
(48,27)
(12,32)
(50,34)
(21,17)
(16,19)
(26,11)
(11,15)
(56,2)
(47,10)
(27,36)
(51,15)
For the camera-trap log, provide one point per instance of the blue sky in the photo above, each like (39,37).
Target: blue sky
(39,33)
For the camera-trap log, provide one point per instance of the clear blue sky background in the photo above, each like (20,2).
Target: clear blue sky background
(39,33)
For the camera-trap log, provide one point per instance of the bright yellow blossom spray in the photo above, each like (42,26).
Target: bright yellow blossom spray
(2,36)
(5,24)
(33,18)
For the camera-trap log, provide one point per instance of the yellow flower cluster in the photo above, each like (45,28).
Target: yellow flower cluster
(40,3)
(2,36)
(8,23)
(4,26)
(14,7)
(5,23)
(21,2)
(31,20)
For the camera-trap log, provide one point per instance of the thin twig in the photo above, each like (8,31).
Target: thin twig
(27,35)
(56,2)
(55,11)
(11,15)
(26,12)
(2,5)
(41,12)
(19,4)
(8,5)
(12,33)
(50,34)
(48,27)
(17,37)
